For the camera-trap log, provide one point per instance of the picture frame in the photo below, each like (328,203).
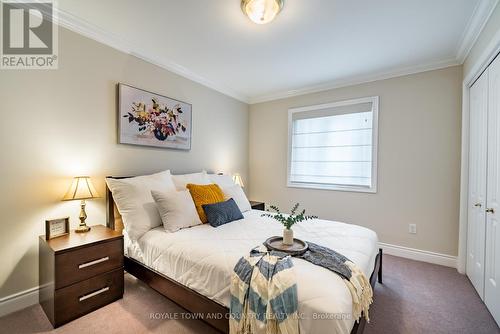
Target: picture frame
(55,228)
(151,119)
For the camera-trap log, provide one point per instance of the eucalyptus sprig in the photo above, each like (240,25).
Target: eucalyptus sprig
(291,219)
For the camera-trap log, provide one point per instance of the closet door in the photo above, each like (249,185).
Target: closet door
(492,256)
(477,183)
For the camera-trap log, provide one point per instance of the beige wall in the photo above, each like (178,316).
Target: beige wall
(418,155)
(491,28)
(62,123)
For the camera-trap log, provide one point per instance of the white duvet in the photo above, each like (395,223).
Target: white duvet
(202,258)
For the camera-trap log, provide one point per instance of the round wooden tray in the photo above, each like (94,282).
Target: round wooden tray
(276,243)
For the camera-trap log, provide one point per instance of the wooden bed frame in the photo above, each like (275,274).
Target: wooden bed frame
(205,309)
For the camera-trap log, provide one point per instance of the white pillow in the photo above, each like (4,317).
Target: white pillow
(235,192)
(135,203)
(177,210)
(182,180)
(223,181)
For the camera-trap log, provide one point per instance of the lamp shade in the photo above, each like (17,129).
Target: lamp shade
(238,180)
(81,188)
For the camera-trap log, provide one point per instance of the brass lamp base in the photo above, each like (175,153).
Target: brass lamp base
(82,228)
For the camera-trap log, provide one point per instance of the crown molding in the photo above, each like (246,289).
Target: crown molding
(92,31)
(480,16)
(477,21)
(397,72)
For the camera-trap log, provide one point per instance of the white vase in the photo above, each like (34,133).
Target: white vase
(287,237)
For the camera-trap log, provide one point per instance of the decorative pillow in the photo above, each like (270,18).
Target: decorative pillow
(135,203)
(222,213)
(235,192)
(223,181)
(181,181)
(177,210)
(205,194)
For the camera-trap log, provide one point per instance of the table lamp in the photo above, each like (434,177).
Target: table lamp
(81,189)
(238,180)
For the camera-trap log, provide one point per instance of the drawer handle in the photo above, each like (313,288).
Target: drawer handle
(91,263)
(95,293)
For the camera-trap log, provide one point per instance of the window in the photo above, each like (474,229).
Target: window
(334,146)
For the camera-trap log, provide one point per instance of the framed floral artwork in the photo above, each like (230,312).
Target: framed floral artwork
(150,119)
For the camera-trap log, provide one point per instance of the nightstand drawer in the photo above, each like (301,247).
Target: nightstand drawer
(80,264)
(78,299)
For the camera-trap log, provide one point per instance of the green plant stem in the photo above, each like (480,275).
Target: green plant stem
(292,219)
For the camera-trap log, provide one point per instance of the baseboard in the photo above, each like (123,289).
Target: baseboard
(18,301)
(419,255)
(29,297)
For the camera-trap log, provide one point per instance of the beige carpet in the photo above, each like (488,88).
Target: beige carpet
(415,298)
(132,314)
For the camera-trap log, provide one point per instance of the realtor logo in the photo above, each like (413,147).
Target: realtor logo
(29,35)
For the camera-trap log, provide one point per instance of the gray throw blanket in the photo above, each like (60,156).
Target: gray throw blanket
(353,277)
(327,258)
(264,294)
(263,286)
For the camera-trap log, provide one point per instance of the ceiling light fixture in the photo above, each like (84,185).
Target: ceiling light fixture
(261,11)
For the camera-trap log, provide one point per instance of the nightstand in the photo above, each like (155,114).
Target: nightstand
(79,273)
(258,205)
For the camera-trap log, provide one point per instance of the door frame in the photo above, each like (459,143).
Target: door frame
(482,63)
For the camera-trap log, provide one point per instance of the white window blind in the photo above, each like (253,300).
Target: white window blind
(333,146)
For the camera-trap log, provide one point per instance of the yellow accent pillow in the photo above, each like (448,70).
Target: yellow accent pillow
(204,194)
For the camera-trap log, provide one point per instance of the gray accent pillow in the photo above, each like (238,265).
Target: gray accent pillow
(222,213)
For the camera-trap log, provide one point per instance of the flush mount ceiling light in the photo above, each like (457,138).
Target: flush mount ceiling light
(261,11)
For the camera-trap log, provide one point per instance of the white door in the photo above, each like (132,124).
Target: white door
(492,250)
(477,183)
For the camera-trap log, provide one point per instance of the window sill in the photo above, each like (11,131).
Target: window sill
(371,190)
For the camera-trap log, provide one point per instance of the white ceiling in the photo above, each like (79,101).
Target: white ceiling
(312,44)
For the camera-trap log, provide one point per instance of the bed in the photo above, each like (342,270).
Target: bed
(193,266)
